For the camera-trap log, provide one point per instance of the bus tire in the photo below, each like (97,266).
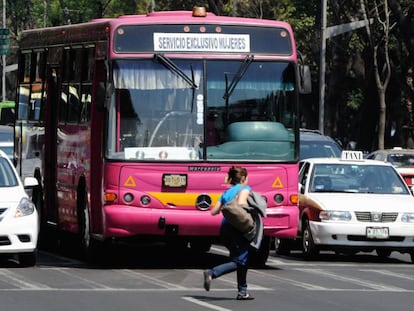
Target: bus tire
(259,257)
(200,246)
(383,253)
(86,242)
(282,247)
(48,238)
(27,259)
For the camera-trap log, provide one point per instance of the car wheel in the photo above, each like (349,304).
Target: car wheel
(309,249)
(27,259)
(282,247)
(383,253)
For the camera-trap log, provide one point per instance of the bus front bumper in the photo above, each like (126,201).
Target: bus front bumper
(125,221)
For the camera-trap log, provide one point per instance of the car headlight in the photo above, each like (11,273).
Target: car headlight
(408,217)
(25,207)
(335,215)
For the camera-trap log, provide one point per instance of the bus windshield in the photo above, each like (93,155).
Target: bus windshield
(175,109)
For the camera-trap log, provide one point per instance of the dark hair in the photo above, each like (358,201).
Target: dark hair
(236,173)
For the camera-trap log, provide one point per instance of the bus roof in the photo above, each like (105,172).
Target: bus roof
(99,29)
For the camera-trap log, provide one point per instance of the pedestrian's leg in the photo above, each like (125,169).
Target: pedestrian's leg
(218,271)
(222,269)
(242,280)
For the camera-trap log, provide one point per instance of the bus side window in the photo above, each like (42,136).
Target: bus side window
(86,83)
(86,98)
(24,89)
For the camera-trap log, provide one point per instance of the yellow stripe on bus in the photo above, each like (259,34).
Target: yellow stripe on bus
(181,199)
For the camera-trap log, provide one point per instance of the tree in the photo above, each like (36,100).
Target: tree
(379,44)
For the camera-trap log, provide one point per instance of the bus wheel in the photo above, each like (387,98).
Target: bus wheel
(383,253)
(200,246)
(309,249)
(48,237)
(282,247)
(84,234)
(258,258)
(27,259)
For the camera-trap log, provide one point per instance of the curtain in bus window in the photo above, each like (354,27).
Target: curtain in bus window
(154,109)
(151,75)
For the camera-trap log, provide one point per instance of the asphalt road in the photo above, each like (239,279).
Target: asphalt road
(155,278)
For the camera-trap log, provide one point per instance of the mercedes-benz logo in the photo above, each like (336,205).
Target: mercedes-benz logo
(203,202)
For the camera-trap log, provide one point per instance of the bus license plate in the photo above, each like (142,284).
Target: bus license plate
(377,233)
(174,180)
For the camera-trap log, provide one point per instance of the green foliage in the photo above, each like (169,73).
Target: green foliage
(355,99)
(348,56)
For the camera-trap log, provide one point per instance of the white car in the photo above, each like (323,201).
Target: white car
(351,204)
(19,220)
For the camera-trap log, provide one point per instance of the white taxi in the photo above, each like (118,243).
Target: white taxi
(19,221)
(351,204)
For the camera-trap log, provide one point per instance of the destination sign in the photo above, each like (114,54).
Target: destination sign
(206,42)
(232,39)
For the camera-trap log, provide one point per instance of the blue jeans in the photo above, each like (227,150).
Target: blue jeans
(239,255)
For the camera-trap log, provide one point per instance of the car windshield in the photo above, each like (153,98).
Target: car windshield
(356,178)
(6,133)
(319,149)
(401,159)
(7,176)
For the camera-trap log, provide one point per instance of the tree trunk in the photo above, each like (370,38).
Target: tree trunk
(382,117)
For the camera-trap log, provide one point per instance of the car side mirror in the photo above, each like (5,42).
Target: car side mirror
(301,189)
(30,183)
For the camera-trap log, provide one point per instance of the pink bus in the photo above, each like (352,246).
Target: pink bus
(131,124)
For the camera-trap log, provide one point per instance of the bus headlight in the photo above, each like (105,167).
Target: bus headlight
(335,215)
(145,200)
(128,197)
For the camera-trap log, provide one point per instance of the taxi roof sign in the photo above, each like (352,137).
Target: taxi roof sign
(352,155)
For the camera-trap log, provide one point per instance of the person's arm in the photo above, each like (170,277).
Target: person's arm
(216,208)
(243,195)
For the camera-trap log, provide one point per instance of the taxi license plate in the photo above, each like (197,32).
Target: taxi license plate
(377,233)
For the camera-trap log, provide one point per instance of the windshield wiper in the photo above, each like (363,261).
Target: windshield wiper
(174,68)
(237,77)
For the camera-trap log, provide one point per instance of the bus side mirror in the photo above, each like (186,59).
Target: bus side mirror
(103,94)
(305,82)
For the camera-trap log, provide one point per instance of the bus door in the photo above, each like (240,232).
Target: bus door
(50,146)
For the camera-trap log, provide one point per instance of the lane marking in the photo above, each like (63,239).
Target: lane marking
(19,282)
(91,283)
(284,280)
(152,280)
(390,273)
(372,285)
(205,304)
